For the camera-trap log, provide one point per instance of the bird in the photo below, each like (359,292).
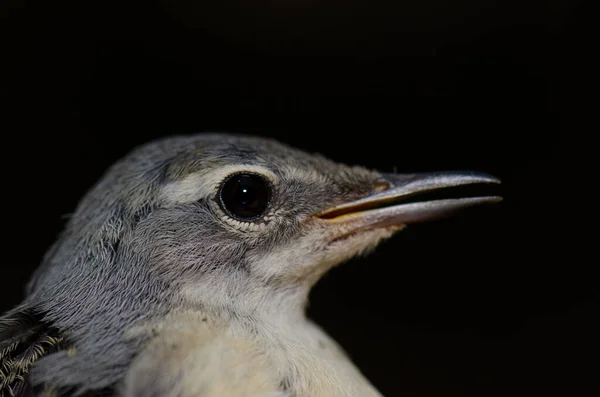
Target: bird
(185,271)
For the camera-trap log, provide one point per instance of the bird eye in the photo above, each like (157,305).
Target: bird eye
(245,196)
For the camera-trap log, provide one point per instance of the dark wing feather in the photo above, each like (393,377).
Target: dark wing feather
(24,338)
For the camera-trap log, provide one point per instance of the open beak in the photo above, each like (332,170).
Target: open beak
(400,199)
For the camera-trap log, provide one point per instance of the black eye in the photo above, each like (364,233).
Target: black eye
(245,196)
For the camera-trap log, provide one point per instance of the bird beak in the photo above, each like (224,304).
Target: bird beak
(399,199)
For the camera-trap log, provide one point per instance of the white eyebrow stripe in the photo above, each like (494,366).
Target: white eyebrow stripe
(198,185)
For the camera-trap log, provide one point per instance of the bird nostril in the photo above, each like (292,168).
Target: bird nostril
(381,186)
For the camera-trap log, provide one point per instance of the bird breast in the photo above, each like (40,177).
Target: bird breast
(194,355)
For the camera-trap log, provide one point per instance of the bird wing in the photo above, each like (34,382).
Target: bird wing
(24,338)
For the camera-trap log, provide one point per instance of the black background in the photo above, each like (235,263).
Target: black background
(500,300)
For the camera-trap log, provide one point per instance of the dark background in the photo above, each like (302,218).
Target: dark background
(498,301)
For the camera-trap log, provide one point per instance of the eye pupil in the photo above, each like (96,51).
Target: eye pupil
(245,196)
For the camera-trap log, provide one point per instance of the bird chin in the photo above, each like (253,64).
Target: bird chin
(365,232)
(358,242)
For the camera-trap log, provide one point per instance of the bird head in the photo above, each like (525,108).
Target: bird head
(228,223)
(235,220)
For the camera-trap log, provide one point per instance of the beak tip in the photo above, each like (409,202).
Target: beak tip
(493,179)
(484,177)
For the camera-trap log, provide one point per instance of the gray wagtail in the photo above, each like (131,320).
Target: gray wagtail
(185,272)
